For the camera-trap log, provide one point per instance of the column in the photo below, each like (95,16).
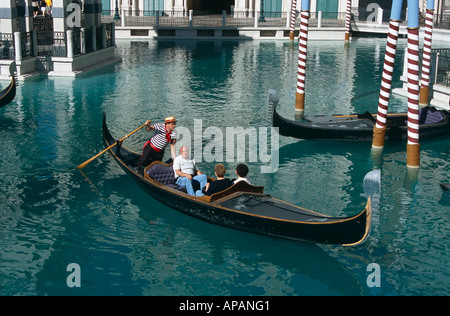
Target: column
(239,6)
(8,16)
(18,47)
(178,5)
(60,14)
(25,15)
(92,13)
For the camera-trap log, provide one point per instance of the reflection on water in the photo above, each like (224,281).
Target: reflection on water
(126,243)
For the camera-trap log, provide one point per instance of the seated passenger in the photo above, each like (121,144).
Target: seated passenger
(241,172)
(186,171)
(219,185)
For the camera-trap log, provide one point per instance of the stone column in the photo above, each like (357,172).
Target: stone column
(178,5)
(60,14)
(8,16)
(92,13)
(25,15)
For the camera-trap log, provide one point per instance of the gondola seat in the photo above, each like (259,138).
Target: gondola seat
(241,186)
(430,115)
(164,174)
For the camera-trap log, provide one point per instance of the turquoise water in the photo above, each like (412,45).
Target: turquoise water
(126,243)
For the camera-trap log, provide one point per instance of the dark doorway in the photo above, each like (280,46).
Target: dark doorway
(212,6)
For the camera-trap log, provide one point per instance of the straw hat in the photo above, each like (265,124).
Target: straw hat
(170,119)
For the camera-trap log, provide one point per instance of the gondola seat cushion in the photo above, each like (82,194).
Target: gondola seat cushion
(430,115)
(164,174)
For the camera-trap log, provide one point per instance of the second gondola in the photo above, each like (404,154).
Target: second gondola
(357,127)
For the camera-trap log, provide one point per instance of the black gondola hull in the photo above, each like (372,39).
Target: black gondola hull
(9,93)
(347,231)
(355,127)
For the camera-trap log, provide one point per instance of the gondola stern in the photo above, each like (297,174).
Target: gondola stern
(107,137)
(9,93)
(367,213)
(274,99)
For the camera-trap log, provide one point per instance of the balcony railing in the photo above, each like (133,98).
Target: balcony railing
(200,19)
(443,67)
(130,18)
(6,46)
(20,46)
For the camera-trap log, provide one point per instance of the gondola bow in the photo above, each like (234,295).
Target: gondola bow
(9,93)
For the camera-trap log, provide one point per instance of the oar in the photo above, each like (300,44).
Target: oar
(84,164)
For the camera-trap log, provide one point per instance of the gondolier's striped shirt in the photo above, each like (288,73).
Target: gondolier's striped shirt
(159,140)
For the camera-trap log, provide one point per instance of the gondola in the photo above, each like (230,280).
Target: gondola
(446,187)
(242,206)
(445,191)
(357,127)
(9,93)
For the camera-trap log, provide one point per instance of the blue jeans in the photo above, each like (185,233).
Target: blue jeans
(185,182)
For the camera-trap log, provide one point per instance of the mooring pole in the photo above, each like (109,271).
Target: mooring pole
(302,46)
(426,57)
(379,131)
(293,18)
(347,20)
(413,146)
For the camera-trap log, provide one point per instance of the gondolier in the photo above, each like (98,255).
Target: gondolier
(155,146)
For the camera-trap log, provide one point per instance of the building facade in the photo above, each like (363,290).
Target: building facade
(247,6)
(169,7)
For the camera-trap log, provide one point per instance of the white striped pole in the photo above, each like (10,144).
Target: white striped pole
(302,46)
(413,146)
(347,21)
(293,17)
(379,131)
(426,57)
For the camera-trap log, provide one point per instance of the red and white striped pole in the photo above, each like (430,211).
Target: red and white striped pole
(426,58)
(379,131)
(293,17)
(413,146)
(302,46)
(347,20)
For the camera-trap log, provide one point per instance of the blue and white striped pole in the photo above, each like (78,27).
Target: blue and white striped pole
(426,57)
(379,131)
(347,20)
(413,146)
(302,46)
(293,18)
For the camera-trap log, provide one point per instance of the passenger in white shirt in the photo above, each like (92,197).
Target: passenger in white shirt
(186,171)
(241,172)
